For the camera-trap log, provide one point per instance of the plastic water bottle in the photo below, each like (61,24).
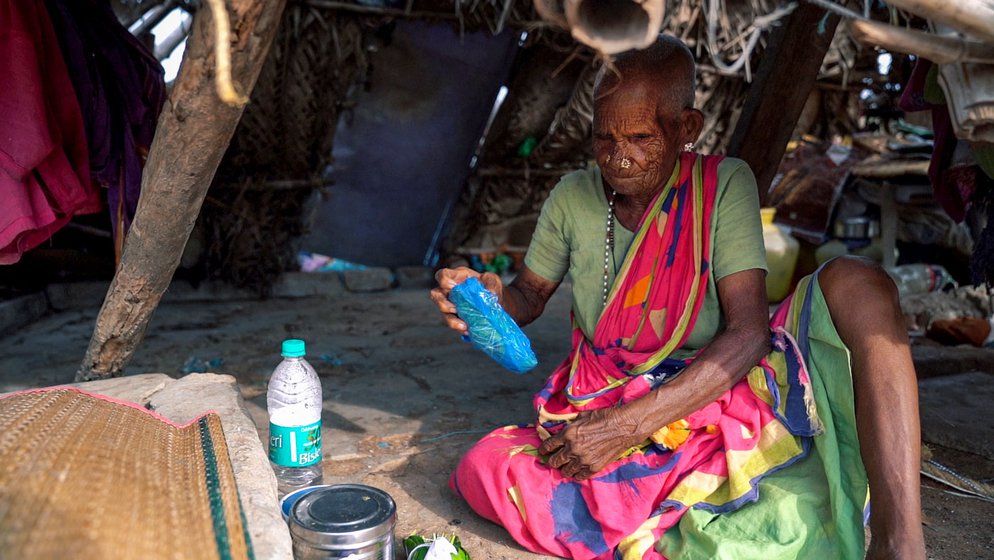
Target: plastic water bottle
(294,404)
(920,278)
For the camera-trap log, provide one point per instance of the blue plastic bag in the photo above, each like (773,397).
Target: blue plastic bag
(491,329)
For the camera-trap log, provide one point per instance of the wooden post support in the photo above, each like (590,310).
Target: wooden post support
(193,133)
(776,97)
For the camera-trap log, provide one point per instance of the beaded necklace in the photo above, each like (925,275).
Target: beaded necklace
(609,240)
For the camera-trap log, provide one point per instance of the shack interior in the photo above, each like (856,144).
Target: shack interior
(381,140)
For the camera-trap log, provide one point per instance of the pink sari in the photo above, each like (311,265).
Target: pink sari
(712,459)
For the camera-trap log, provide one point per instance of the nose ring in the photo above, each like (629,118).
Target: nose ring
(625,163)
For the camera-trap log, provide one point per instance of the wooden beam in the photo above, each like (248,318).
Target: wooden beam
(776,97)
(193,133)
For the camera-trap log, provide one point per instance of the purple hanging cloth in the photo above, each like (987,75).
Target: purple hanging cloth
(952,188)
(120,88)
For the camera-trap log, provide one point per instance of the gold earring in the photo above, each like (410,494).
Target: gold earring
(688,147)
(608,159)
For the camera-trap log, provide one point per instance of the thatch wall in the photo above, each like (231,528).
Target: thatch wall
(257,206)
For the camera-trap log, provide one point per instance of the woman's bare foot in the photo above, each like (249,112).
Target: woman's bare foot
(911,547)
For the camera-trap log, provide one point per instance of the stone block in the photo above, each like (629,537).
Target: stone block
(132,388)
(415,277)
(374,279)
(932,361)
(955,412)
(76,295)
(308,284)
(21,311)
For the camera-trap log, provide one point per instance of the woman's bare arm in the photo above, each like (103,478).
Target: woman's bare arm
(598,438)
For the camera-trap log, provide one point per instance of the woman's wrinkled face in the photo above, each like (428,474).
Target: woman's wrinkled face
(636,141)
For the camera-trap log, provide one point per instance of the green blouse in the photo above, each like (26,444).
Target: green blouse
(570,238)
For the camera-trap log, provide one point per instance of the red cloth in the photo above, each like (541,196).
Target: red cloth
(44,165)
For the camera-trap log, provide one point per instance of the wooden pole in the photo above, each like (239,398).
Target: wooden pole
(776,98)
(193,133)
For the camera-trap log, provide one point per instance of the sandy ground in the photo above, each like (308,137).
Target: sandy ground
(404,397)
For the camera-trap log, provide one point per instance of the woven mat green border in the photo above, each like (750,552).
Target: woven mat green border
(86,476)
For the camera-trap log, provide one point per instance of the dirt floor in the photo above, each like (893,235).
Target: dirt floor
(404,397)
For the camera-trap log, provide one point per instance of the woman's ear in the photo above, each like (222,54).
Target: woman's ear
(692,124)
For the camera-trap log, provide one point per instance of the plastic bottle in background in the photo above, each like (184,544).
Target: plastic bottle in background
(920,278)
(294,404)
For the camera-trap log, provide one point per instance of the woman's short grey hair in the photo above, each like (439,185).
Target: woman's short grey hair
(668,61)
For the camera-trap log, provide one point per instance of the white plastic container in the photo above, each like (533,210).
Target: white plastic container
(781,257)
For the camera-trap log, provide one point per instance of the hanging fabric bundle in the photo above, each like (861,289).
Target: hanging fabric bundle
(44,164)
(119,85)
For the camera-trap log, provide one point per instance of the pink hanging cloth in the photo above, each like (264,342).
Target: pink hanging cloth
(44,164)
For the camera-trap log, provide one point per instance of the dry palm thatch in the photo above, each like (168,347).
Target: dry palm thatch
(568,139)
(256,208)
(544,80)
(965,486)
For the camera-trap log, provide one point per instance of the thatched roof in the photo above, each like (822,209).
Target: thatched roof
(282,147)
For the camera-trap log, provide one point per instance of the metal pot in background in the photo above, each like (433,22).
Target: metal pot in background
(342,521)
(856,227)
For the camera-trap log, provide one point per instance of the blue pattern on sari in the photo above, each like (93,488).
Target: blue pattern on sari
(682,193)
(629,472)
(573,520)
(795,415)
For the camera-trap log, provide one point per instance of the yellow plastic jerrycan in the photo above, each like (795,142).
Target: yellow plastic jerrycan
(781,256)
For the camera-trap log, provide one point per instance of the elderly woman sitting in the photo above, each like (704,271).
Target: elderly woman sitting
(684,423)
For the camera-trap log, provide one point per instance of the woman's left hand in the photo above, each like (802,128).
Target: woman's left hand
(592,441)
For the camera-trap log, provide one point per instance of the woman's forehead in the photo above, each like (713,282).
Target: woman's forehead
(618,114)
(628,104)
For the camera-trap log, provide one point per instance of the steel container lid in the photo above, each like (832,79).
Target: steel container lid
(344,516)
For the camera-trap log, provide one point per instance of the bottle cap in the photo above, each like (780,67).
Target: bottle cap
(293,348)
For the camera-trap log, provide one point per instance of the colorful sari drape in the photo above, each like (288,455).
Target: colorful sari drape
(712,460)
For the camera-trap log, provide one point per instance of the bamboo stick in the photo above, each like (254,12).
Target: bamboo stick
(975,17)
(378,10)
(940,49)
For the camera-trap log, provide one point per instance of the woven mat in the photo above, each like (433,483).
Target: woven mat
(83,476)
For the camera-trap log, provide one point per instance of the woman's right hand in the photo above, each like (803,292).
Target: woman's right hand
(448,278)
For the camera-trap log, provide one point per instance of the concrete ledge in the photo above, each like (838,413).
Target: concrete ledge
(207,291)
(415,277)
(76,295)
(933,361)
(376,279)
(308,284)
(22,311)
